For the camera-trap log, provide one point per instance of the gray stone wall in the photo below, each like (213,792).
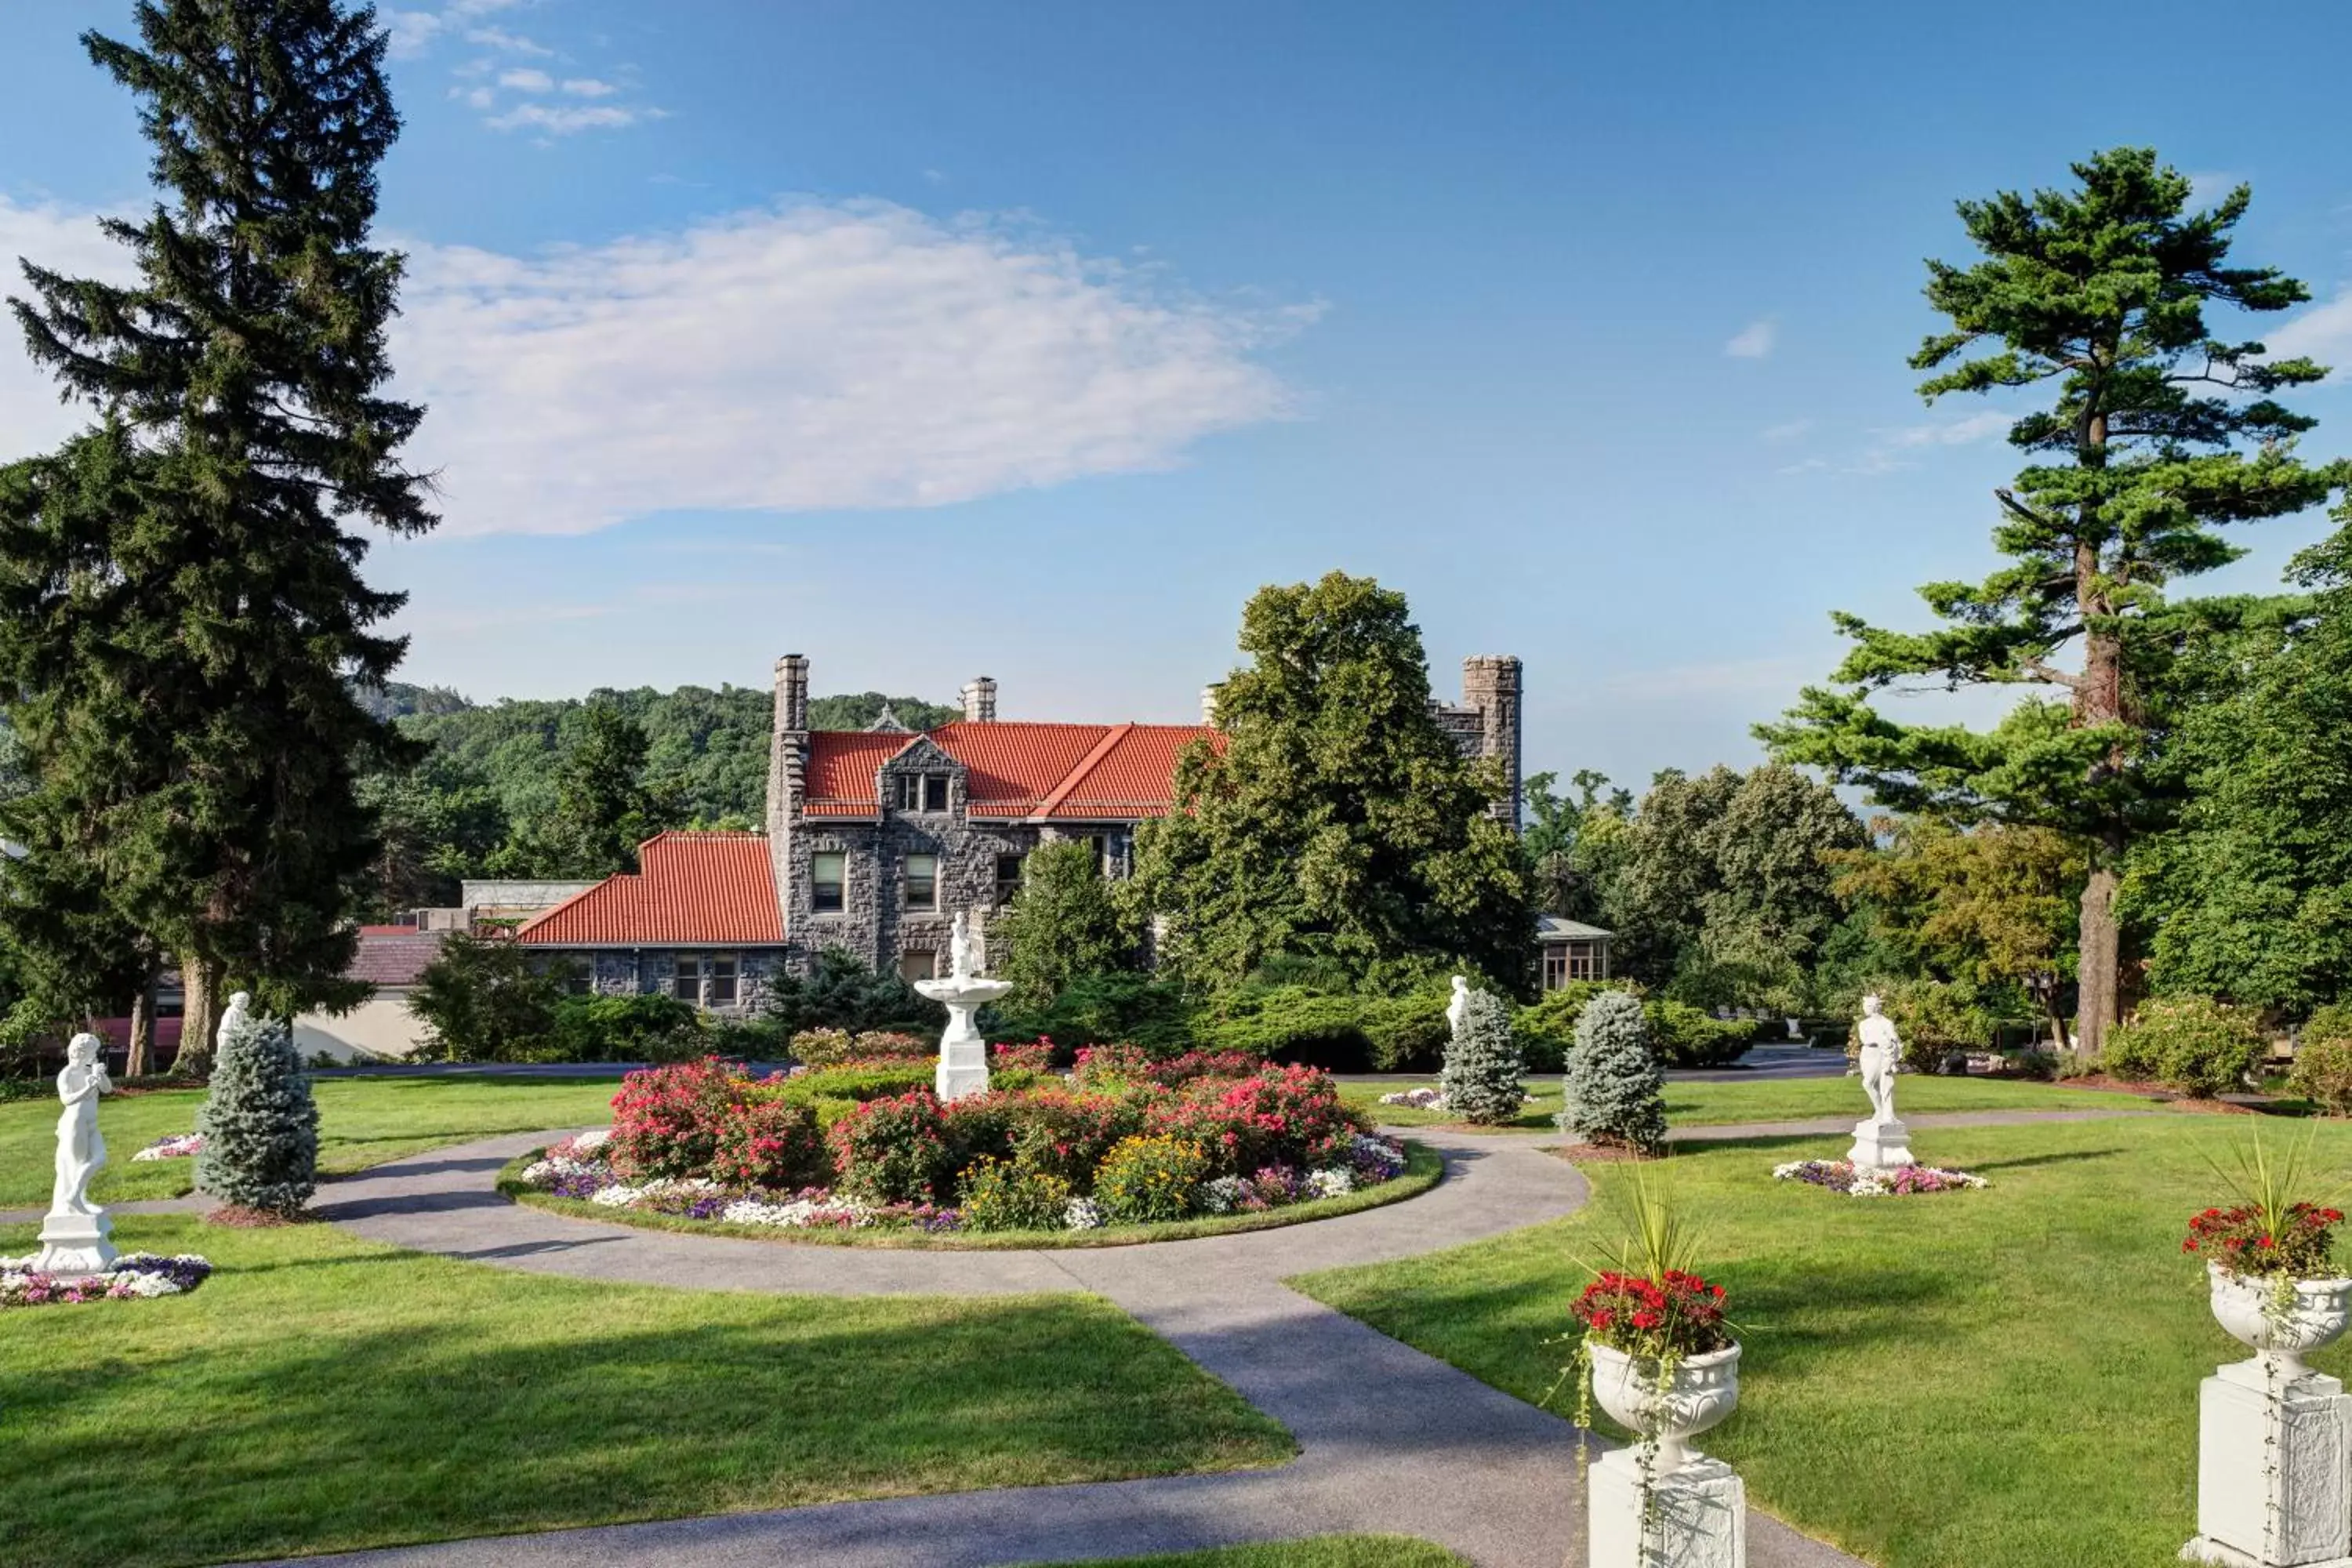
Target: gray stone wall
(636,970)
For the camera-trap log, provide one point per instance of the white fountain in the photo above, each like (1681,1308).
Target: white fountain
(964,1055)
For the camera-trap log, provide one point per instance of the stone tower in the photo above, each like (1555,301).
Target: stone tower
(787,750)
(1490,689)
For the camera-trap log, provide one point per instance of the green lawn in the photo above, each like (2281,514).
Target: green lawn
(321,1394)
(363,1122)
(2003,1379)
(1765,1099)
(1318,1552)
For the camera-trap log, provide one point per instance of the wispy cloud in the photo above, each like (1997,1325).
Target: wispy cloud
(588,87)
(815,357)
(566,120)
(507,43)
(2324,332)
(1958,432)
(527,80)
(1753,341)
(1789,431)
(1899,446)
(415,32)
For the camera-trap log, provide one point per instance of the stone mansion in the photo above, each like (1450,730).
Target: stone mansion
(875,837)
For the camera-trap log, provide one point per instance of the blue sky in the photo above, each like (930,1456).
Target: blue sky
(935,339)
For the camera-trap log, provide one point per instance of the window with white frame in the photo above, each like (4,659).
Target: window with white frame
(919,792)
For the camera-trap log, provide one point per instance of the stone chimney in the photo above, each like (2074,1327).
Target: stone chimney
(980,699)
(791,695)
(1209,706)
(1490,685)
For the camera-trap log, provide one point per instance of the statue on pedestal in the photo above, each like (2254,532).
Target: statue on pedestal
(74,1237)
(1881,1141)
(963,1053)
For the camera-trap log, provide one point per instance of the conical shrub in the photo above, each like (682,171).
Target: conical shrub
(1481,1078)
(259,1123)
(1615,1088)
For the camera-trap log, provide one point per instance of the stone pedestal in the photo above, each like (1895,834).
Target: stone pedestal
(1698,1515)
(1881,1146)
(2273,1471)
(73,1244)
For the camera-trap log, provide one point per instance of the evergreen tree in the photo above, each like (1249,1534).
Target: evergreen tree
(1480,1081)
(1337,820)
(259,1124)
(606,803)
(1615,1090)
(1065,924)
(2156,434)
(183,581)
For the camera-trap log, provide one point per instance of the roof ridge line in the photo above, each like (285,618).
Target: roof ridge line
(1076,776)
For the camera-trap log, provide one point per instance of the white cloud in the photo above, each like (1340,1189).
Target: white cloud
(588,87)
(566,120)
(509,43)
(1958,432)
(2324,332)
(413,32)
(527,80)
(1753,341)
(1791,430)
(31,416)
(815,357)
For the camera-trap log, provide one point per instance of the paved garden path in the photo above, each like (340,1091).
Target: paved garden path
(1390,1439)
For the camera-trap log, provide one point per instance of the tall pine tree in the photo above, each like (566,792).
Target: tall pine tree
(2155,433)
(184,579)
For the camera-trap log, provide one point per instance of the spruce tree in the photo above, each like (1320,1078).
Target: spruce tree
(2155,433)
(1065,924)
(1615,1087)
(181,608)
(1480,1081)
(259,1124)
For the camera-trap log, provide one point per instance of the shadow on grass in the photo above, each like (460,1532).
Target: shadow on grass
(2064,1158)
(342,1431)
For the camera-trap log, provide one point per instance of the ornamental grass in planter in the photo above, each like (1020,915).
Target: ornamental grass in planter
(2270,1257)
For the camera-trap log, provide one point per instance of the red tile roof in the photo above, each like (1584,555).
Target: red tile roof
(1065,772)
(394,955)
(690,889)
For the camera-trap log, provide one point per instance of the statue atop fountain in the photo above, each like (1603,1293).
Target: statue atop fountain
(963,1054)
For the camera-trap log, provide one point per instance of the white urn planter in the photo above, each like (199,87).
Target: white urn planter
(2274,1438)
(2286,1331)
(1679,1507)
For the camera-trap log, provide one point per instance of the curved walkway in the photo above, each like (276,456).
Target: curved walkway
(1391,1439)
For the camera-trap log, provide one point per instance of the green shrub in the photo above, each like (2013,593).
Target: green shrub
(2192,1045)
(1096,1009)
(1937,1017)
(483,1000)
(896,1151)
(1068,1135)
(1001,1194)
(1615,1089)
(1148,1179)
(259,1124)
(2323,1071)
(841,993)
(1481,1081)
(646,1027)
(825,1047)
(1687,1037)
(1293,1024)
(859,1083)
(1407,1033)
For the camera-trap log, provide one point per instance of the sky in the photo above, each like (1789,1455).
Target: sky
(936,340)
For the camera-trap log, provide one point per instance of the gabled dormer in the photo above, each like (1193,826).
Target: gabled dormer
(920,780)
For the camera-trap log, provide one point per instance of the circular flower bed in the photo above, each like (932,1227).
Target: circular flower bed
(135,1274)
(1904,1180)
(1125,1143)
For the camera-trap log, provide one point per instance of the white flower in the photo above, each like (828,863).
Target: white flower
(797,1213)
(1419,1098)
(594,1140)
(139,1284)
(615,1197)
(1331,1181)
(1084,1214)
(1223,1194)
(1867,1187)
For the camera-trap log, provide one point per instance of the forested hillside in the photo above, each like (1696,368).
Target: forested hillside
(548,787)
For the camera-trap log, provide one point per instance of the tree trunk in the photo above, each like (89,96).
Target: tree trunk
(200,982)
(141,1061)
(2096,995)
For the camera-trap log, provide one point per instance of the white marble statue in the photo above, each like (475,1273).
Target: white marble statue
(74,1237)
(1881,1141)
(231,1019)
(1459,1009)
(959,954)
